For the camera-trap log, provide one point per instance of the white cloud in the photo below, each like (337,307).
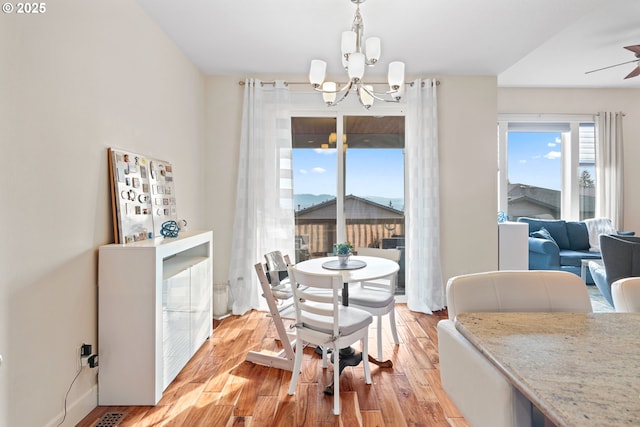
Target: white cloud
(552,155)
(318,170)
(522,161)
(303,171)
(558,140)
(551,144)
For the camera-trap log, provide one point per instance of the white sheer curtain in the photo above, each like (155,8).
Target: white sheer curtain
(424,286)
(264,219)
(609,168)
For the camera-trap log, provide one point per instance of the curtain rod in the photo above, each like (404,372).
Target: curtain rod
(242,83)
(621,112)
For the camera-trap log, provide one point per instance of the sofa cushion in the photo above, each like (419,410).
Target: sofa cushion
(578,236)
(543,233)
(574,258)
(556,227)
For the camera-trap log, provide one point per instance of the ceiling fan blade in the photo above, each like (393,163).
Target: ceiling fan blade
(611,66)
(634,49)
(635,72)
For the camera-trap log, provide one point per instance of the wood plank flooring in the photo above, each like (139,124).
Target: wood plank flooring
(219,388)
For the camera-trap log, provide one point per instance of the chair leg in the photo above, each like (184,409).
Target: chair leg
(380,337)
(297,365)
(336,381)
(394,332)
(365,360)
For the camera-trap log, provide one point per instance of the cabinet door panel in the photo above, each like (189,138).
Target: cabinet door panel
(200,304)
(176,324)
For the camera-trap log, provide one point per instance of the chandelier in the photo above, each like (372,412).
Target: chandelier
(354,61)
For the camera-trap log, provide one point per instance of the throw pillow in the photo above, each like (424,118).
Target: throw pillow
(578,235)
(543,233)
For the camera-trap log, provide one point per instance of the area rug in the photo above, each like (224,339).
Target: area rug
(598,302)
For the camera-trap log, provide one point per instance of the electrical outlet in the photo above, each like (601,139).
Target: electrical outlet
(85,350)
(93,360)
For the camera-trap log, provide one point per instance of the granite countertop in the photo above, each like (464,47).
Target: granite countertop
(579,369)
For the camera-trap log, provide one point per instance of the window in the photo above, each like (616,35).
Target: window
(547,166)
(348,183)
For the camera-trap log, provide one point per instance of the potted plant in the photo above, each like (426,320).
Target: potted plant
(343,250)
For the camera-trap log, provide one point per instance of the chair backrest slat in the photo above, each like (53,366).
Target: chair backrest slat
(316,299)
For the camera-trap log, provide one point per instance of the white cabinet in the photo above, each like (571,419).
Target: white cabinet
(154,313)
(513,246)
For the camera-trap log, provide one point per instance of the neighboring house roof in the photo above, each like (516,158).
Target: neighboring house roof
(356,208)
(546,198)
(542,196)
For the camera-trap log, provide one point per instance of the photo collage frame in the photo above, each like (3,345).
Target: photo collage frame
(142,195)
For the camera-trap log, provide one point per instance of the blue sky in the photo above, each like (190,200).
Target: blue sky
(370,172)
(534,159)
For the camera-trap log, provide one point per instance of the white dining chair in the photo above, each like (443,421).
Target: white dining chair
(626,295)
(481,392)
(284,358)
(378,296)
(275,269)
(321,319)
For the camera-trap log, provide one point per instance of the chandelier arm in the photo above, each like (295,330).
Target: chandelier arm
(344,95)
(342,89)
(378,97)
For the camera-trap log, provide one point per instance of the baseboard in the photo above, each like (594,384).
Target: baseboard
(78,409)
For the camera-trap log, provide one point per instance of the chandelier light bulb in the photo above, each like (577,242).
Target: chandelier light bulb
(366,97)
(349,43)
(317,72)
(396,75)
(356,66)
(329,92)
(372,49)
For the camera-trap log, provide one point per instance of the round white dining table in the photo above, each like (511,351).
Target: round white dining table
(375,268)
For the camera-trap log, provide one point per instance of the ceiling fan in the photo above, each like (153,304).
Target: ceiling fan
(636,71)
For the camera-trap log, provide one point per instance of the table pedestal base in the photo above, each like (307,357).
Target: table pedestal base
(348,357)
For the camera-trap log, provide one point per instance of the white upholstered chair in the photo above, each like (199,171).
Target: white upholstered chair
(481,393)
(378,296)
(321,319)
(626,294)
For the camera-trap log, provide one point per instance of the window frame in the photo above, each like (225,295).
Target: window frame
(569,126)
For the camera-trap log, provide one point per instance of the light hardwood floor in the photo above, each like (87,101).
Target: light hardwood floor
(219,388)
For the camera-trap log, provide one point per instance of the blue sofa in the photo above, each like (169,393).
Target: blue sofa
(563,247)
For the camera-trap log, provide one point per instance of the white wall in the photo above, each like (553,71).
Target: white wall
(75,80)
(590,101)
(224,115)
(468,156)
(468,175)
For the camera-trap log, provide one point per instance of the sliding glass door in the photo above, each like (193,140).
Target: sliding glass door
(348,183)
